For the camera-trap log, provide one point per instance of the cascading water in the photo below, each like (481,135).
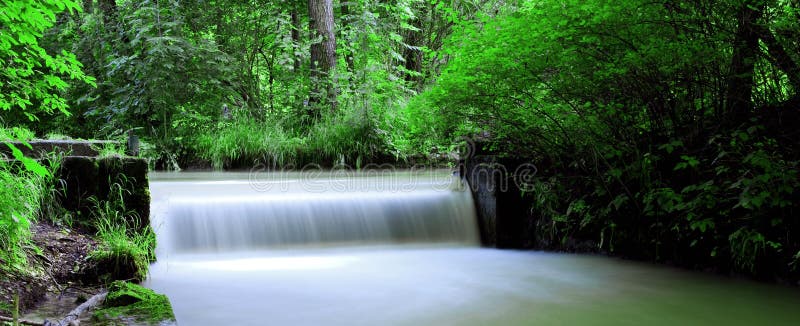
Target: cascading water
(401,249)
(289,210)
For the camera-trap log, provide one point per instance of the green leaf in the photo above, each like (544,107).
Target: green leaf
(29,163)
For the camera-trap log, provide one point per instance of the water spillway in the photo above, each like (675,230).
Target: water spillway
(285,210)
(402,249)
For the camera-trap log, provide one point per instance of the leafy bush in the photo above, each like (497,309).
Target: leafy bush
(627,109)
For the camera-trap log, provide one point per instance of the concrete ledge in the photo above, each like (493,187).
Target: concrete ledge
(42,148)
(83,179)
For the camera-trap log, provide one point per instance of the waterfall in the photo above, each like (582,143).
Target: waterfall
(281,210)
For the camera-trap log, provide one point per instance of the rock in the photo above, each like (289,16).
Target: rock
(127,301)
(109,267)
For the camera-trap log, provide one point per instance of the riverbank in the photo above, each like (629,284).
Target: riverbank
(60,267)
(71,225)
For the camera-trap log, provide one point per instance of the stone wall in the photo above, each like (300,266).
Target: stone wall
(43,148)
(84,178)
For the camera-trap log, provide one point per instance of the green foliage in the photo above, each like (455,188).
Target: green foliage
(169,69)
(16,134)
(110,150)
(21,196)
(243,141)
(631,110)
(29,163)
(247,140)
(31,78)
(621,105)
(147,71)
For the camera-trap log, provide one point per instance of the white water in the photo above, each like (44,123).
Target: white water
(287,210)
(397,250)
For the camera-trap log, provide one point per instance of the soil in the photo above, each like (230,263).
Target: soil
(58,269)
(66,252)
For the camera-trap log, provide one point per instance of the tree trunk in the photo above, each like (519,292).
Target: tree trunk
(745,50)
(73,315)
(412,54)
(780,57)
(295,39)
(323,54)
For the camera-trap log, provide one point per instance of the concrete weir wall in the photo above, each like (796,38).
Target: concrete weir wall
(84,179)
(502,214)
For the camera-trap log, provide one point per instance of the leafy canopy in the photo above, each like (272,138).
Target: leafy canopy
(31,78)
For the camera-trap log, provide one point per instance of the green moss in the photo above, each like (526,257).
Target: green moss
(127,300)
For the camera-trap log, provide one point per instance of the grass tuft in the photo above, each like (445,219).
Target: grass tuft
(125,246)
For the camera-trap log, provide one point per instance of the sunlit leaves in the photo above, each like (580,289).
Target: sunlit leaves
(32,78)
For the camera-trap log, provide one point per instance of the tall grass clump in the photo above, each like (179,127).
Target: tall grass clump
(125,247)
(348,139)
(247,141)
(345,138)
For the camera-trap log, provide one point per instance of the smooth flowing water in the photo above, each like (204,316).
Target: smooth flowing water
(402,249)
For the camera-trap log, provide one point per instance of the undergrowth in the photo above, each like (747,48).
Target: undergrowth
(125,245)
(21,196)
(244,141)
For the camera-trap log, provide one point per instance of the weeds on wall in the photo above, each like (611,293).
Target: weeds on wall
(125,245)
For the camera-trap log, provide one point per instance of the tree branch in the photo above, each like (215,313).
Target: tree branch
(780,57)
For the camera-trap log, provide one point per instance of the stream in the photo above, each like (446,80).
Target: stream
(402,248)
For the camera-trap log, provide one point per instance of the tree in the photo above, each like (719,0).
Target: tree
(323,55)
(31,79)
(743,62)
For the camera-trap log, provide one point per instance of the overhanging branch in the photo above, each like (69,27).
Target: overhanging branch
(780,57)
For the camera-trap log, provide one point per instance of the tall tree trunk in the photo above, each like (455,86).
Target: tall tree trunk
(323,54)
(780,57)
(295,38)
(745,50)
(412,54)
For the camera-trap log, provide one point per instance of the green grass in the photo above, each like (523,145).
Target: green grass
(248,141)
(15,134)
(123,243)
(110,150)
(21,196)
(344,139)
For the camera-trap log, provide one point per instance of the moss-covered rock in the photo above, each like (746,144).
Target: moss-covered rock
(128,302)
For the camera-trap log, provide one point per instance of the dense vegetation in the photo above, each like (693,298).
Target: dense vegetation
(660,130)
(664,130)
